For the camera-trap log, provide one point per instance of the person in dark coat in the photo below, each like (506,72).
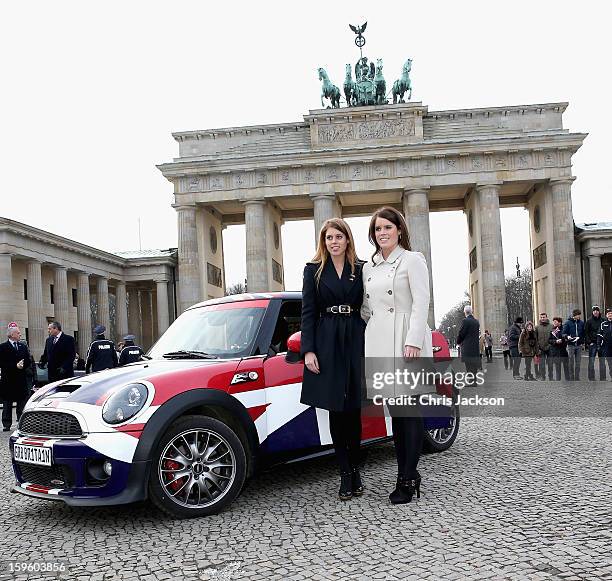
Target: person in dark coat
(469,341)
(528,346)
(130,353)
(332,344)
(573,331)
(591,330)
(514,333)
(558,352)
(59,354)
(604,340)
(14,365)
(101,353)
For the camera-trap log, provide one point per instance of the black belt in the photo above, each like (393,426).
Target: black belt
(341,310)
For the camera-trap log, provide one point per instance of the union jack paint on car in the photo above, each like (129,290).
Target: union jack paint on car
(217,397)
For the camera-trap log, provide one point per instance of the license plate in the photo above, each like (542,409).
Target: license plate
(32,454)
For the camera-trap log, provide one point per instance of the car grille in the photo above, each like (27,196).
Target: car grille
(44,475)
(49,424)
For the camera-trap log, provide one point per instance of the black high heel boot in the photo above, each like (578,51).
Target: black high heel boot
(405,489)
(346,486)
(356,483)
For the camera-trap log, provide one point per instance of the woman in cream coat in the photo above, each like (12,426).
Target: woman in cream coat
(395,307)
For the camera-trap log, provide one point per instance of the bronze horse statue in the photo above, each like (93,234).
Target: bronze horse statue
(329,90)
(380,85)
(403,85)
(350,88)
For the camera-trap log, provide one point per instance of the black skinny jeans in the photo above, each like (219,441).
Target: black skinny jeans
(345,429)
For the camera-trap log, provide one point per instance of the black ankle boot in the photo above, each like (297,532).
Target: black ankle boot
(356,483)
(346,486)
(405,489)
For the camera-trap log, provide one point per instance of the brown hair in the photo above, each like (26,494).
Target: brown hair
(395,217)
(527,325)
(558,319)
(322,254)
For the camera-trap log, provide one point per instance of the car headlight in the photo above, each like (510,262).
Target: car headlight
(125,403)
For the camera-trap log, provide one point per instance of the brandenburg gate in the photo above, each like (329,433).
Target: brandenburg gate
(348,162)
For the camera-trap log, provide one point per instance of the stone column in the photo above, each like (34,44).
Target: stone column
(596,280)
(256,255)
(83,313)
(563,245)
(134,314)
(37,322)
(325,207)
(492,260)
(6,293)
(121,314)
(416,211)
(163,314)
(103,305)
(60,294)
(188,258)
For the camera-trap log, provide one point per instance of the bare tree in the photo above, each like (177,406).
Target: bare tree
(519,296)
(235,289)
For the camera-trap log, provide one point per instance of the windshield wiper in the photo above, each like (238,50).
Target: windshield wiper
(182,354)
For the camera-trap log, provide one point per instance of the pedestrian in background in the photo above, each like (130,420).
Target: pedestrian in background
(59,353)
(14,364)
(558,351)
(514,334)
(102,353)
(573,330)
(528,346)
(591,330)
(545,363)
(604,341)
(468,339)
(488,345)
(503,341)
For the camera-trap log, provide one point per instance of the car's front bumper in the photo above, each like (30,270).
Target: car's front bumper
(69,480)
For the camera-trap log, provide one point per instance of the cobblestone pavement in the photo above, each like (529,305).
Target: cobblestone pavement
(514,498)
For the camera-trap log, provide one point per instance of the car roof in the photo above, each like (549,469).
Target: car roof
(286,295)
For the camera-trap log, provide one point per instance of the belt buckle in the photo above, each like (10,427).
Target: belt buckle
(334,310)
(345,309)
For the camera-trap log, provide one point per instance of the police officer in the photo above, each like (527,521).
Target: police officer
(101,354)
(130,352)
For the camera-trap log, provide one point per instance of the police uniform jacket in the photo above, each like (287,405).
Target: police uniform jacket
(14,381)
(395,306)
(130,354)
(336,339)
(101,355)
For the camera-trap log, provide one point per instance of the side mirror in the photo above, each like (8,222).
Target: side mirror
(293,348)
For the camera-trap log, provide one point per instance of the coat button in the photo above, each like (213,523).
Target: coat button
(367,296)
(391,310)
(390,292)
(369,278)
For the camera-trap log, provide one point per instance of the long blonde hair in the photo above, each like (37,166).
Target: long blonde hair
(322,254)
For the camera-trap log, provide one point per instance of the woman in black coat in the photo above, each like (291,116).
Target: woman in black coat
(332,345)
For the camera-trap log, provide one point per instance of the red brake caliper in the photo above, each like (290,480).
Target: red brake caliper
(172,465)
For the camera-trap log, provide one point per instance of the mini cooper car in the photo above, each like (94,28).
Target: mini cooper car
(217,397)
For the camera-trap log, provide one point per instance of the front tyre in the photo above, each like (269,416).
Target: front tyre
(199,468)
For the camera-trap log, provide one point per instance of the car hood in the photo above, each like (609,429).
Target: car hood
(184,373)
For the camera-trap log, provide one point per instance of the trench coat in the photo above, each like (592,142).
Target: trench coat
(13,381)
(336,340)
(396,306)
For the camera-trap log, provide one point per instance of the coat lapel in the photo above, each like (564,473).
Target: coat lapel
(329,278)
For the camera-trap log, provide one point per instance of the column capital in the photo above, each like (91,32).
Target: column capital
(564,180)
(160,280)
(595,254)
(484,185)
(423,190)
(324,196)
(59,267)
(34,261)
(256,201)
(183,207)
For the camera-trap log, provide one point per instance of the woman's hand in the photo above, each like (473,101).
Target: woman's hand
(411,352)
(311,361)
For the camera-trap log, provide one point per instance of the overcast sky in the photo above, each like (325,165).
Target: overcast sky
(92,91)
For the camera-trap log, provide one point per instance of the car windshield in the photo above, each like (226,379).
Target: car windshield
(217,331)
